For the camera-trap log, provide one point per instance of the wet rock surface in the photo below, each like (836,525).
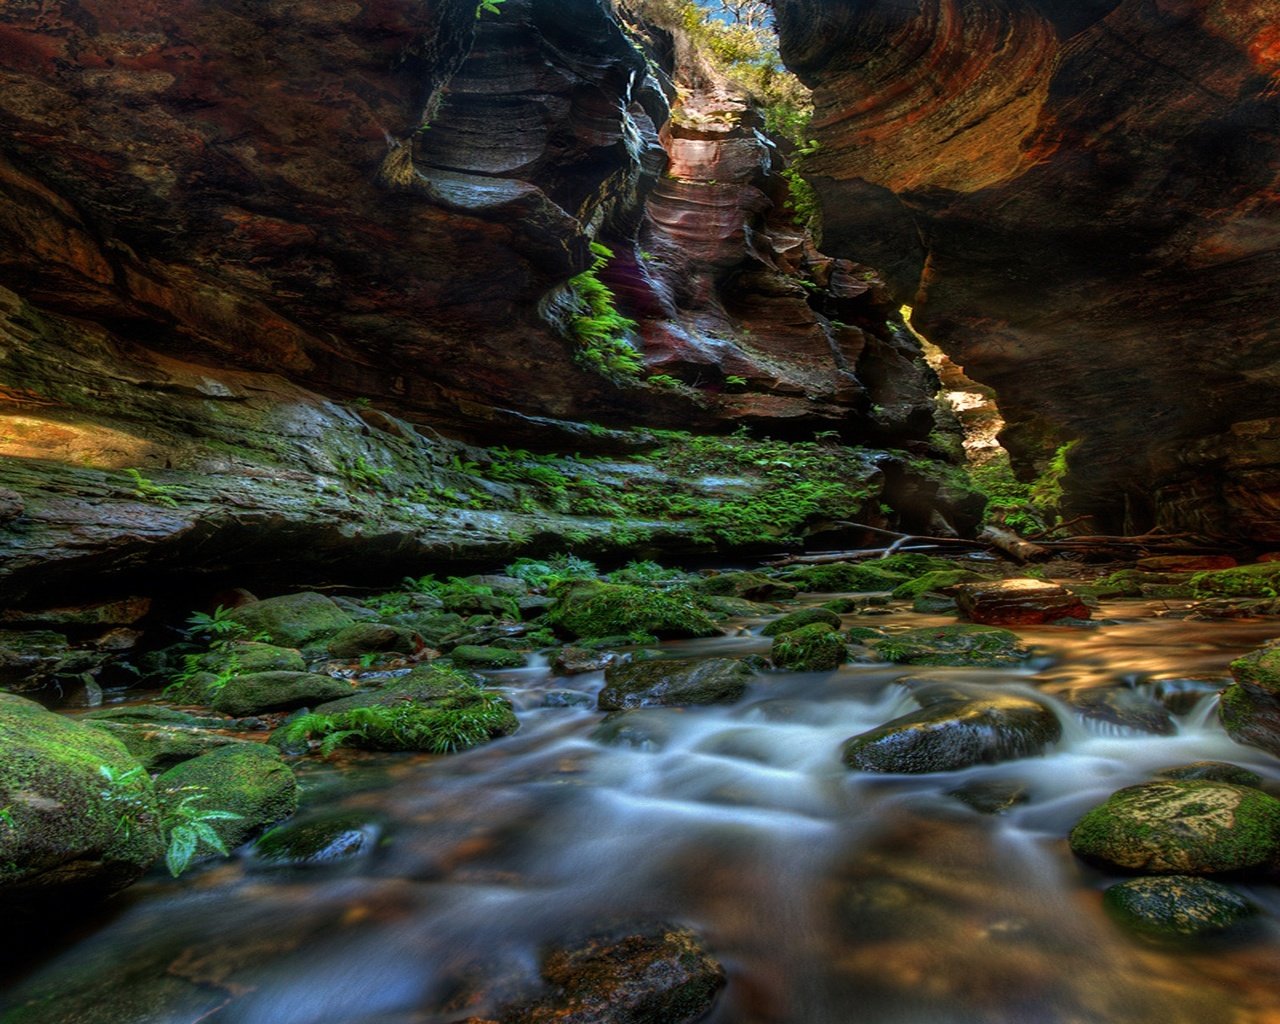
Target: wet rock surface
(1024,602)
(674,683)
(1176,906)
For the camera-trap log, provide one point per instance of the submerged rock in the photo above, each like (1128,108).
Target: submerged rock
(293,620)
(814,648)
(248,779)
(1249,709)
(1023,602)
(753,586)
(318,841)
(1194,827)
(1125,708)
(472,656)
(1213,771)
(574,661)
(991,796)
(978,646)
(78,813)
(641,728)
(800,619)
(158,747)
(651,974)
(953,734)
(259,692)
(1176,906)
(674,683)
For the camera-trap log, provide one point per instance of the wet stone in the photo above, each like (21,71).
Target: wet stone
(1176,906)
(573,661)
(960,645)
(994,796)
(800,619)
(1124,709)
(1213,771)
(567,699)
(814,648)
(674,683)
(1023,602)
(645,729)
(318,841)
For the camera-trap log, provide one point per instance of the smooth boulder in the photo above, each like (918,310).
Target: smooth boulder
(959,645)
(676,682)
(1023,602)
(815,648)
(1176,906)
(293,620)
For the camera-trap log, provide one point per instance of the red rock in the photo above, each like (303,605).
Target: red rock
(1023,602)
(1269,556)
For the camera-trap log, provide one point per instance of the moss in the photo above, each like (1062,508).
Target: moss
(935,580)
(1176,906)
(674,682)
(1261,580)
(487,657)
(1259,669)
(248,779)
(585,608)
(800,619)
(814,648)
(1182,827)
(293,620)
(963,645)
(158,747)
(261,692)
(77,808)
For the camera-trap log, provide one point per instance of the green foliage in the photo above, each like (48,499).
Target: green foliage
(126,794)
(186,827)
(451,723)
(589,609)
(1046,491)
(361,474)
(149,490)
(1260,580)
(802,200)
(542,574)
(594,324)
(735,382)
(1009,500)
(665,380)
(489,7)
(812,648)
(647,572)
(219,625)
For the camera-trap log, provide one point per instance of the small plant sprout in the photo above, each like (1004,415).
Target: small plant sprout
(186,827)
(149,490)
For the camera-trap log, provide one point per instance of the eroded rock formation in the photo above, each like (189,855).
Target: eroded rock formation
(1080,201)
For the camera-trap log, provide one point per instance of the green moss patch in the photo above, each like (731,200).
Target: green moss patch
(586,608)
(814,648)
(979,646)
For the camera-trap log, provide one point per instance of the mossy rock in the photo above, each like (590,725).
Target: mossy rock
(935,604)
(645,729)
(31,659)
(159,747)
(586,608)
(800,619)
(952,734)
(247,779)
(845,605)
(1250,717)
(155,714)
(961,645)
(735,607)
(674,682)
(815,648)
(1260,580)
(471,656)
(249,656)
(293,620)
(374,638)
(437,710)
(1259,670)
(1176,906)
(881,574)
(261,692)
(497,605)
(79,818)
(1213,771)
(936,580)
(1125,708)
(863,634)
(319,841)
(752,586)
(1191,828)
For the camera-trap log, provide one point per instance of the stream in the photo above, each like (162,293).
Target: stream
(830,896)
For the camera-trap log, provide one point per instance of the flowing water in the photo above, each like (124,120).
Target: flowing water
(831,897)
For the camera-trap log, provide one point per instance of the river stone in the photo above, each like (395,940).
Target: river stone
(1176,905)
(574,661)
(991,796)
(650,974)
(798,620)
(1191,827)
(261,692)
(1213,771)
(815,648)
(79,813)
(248,779)
(159,747)
(1125,708)
(938,580)
(645,729)
(952,735)
(472,656)
(1024,602)
(293,620)
(753,586)
(1250,717)
(33,659)
(567,699)
(934,604)
(374,638)
(249,656)
(318,841)
(961,645)
(587,608)
(674,683)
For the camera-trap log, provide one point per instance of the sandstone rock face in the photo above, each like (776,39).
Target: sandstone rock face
(1078,199)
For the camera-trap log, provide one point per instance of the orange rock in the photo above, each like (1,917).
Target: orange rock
(1022,602)
(1186,563)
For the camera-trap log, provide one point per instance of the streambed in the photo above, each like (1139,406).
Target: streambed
(830,896)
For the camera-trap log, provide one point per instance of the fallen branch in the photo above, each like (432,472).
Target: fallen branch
(1012,545)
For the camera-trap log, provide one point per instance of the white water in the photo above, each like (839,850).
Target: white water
(832,897)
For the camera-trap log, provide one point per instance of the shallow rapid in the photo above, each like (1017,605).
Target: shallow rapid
(830,896)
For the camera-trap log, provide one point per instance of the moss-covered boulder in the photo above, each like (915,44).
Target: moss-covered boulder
(248,780)
(753,586)
(1176,906)
(250,656)
(1191,828)
(374,638)
(435,709)
(1260,580)
(587,608)
(320,840)
(952,734)
(814,648)
(653,974)
(676,682)
(159,747)
(78,813)
(937,580)
(473,656)
(800,619)
(293,620)
(878,575)
(1249,709)
(261,692)
(977,646)
(1212,771)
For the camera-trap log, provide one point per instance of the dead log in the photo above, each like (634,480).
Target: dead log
(1012,545)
